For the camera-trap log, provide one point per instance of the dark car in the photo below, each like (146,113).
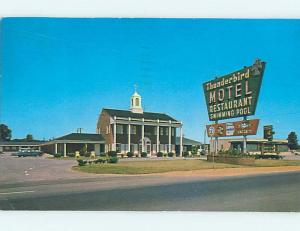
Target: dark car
(29,153)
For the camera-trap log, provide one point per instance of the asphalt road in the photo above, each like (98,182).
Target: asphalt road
(269,192)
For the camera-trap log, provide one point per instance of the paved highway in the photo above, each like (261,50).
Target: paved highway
(269,192)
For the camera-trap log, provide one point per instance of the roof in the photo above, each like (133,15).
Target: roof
(187,141)
(82,136)
(22,143)
(145,115)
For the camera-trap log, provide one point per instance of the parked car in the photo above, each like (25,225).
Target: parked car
(29,153)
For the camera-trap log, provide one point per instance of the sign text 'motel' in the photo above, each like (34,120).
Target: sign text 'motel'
(236,94)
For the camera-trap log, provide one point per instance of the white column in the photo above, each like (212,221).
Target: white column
(55,148)
(170,141)
(143,136)
(157,137)
(129,134)
(115,134)
(65,150)
(181,144)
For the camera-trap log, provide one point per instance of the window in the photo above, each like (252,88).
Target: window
(150,130)
(134,148)
(118,148)
(133,129)
(137,102)
(161,131)
(107,129)
(167,131)
(120,129)
(173,131)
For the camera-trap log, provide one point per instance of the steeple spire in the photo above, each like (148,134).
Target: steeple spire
(135,88)
(136,102)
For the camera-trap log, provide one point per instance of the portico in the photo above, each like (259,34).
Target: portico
(161,129)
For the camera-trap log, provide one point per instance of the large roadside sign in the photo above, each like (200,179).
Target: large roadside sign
(236,94)
(238,128)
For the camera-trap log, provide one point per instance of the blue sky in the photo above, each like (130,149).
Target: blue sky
(57,74)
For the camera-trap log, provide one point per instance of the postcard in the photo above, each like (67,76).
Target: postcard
(149,114)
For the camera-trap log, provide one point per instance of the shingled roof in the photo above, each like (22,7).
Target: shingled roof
(82,136)
(21,142)
(187,141)
(145,115)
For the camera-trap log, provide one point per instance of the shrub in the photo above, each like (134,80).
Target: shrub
(71,154)
(57,155)
(112,153)
(91,162)
(81,162)
(87,154)
(171,154)
(101,160)
(144,154)
(194,151)
(113,160)
(186,154)
(129,154)
(268,156)
(165,154)
(159,154)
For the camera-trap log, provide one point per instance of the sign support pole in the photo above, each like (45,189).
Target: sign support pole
(216,142)
(204,141)
(245,140)
(216,148)
(212,153)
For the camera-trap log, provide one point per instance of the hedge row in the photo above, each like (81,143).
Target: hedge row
(101,160)
(268,156)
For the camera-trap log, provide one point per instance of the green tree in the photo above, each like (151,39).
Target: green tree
(29,137)
(5,133)
(292,140)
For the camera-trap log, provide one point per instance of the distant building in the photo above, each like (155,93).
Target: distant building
(137,131)
(188,144)
(254,146)
(17,145)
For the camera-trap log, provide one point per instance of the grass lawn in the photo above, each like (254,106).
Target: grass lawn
(155,166)
(276,163)
(159,166)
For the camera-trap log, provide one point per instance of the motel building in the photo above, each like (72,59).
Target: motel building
(19,145)
(253,146)
(138,131)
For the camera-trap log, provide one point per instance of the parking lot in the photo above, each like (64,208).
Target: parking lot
(20,169)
